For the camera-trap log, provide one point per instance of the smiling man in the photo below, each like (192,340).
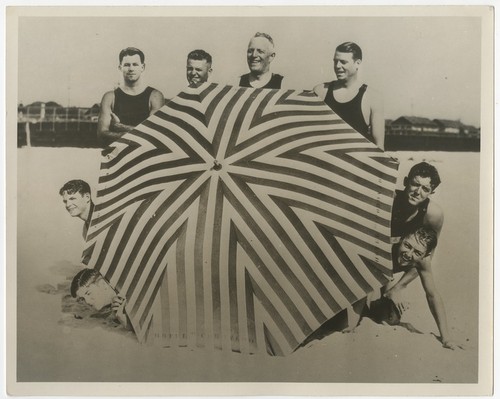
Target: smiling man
(78,202)
(414,253)
(351,99)
(131,103)
(412,207)
(198,67)
(260,54)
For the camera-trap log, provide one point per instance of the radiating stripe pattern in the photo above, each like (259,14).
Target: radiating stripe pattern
(242,219)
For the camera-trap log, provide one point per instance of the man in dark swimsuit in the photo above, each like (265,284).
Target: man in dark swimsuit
(130,104)
(260,54)
(412,208)
(360,107)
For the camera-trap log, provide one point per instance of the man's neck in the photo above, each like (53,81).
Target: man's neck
(136,87)
(85,214)
(261,77)
(349,83)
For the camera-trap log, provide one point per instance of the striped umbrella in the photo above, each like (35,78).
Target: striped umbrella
(241,219)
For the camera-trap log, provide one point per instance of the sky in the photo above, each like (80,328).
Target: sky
(421,66)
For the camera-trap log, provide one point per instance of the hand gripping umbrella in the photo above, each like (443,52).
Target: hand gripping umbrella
(242,219)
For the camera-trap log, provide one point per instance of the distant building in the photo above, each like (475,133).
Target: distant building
(456,127)
(448,126)
(411,125)
(416,125)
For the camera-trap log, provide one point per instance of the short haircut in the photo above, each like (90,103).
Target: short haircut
(84,278)
(75,186)
(350,47)
(425,236)
(423,169)
(265,36)
(200,55)
(131,51)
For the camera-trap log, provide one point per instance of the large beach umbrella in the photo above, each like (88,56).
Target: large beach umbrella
(242,219)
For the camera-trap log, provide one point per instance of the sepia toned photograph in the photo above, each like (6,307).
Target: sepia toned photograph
(272,200)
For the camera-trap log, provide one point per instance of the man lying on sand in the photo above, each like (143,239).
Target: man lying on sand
(91,286)
(414,251)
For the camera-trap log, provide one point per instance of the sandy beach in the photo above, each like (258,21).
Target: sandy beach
(49,245)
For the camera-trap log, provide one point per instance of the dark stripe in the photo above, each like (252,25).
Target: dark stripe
(355,240)
(87,254)
(215,102)
(250,307)
(294,251)
(315,137)
(165,308)
(260,108)
(189,176)
(345,260)
(223,119)
(318,253)
(332,168)
(346,156)
(381,273)
(148,137)
(335,217)
(387,161)
(233,290)
(148,330)
(215,261)
(285,114)
(199,266)
(122,154)
(264,269)
(108,240)
(127,233)
(177,139)
(272,346)
(102,217)
(154,294)
(182,286)
(293,188)
(167,167)
(284,99)
(198,97)
(157,218)
(159,262)
(240,118)
(138,159)
(281,128)
(194,113)
(274,314)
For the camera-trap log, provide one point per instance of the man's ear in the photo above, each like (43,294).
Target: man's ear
(143,66)
(405,181)
(87,197)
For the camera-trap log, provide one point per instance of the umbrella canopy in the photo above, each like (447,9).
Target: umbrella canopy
(242,219)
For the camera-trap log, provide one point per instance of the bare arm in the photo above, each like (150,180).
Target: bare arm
(435,302)
(394,293)
(156,101)
(377,121)
(321,90)
(107,120)
(434,217)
